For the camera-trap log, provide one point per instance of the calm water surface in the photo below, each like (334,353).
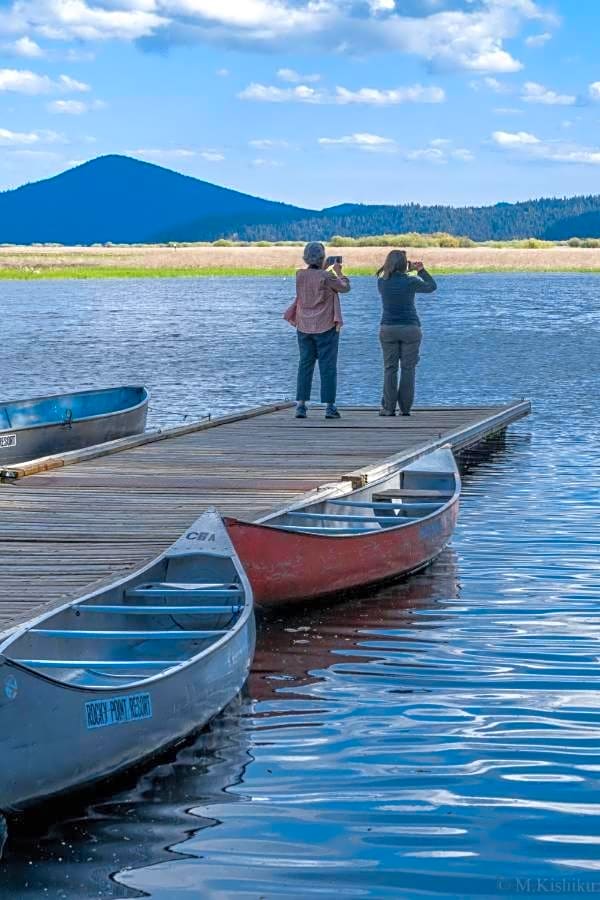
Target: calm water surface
(439,738)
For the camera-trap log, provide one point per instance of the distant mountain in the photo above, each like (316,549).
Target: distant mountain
(124,200)
(119,199)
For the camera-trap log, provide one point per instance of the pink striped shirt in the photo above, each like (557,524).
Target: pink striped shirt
(317,305)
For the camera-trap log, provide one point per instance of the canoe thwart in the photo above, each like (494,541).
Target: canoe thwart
(180,634)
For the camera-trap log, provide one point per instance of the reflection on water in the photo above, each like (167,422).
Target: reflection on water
(439,737)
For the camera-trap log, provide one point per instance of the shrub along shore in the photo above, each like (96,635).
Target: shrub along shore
(362,256)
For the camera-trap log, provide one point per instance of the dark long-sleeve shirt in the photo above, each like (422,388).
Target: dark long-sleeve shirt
(398,296)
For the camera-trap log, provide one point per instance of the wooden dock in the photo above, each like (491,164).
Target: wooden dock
(75,520)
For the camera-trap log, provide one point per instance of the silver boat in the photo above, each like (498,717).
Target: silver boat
(62,422)
(116,676)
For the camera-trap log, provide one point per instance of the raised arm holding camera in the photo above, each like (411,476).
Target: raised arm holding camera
(400,333)
(317,316)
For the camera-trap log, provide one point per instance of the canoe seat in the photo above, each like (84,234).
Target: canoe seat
(166,610)
(335,532)
(410,492)
(385,506)
(367,520)
(178,634)
(99,663)
(192,591)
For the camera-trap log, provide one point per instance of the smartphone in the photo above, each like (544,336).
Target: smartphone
(333,260)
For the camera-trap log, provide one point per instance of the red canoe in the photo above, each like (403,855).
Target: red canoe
(389,528)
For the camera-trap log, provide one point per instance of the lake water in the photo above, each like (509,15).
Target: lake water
(439,738)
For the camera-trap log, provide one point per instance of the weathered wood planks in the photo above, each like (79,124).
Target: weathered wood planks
(82,521)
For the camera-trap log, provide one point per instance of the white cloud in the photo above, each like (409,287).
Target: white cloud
(364,141)
(67,107)
(272,94)
(268,144)
(538,40)
(175,153)
(528,146)
(415,93)
(514,139)
(74,107)
(440,152)
(537,93)
(428,154)
(22,81)
(293,77)
(493,84)
(262,163)
(222,73)
(26,138)
(14,138)
(342,96)
(71,86)
(24,46)
(462,154)
(594,90)
(158,153)
(446,33)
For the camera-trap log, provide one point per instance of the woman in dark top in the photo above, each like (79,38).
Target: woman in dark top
(400,334)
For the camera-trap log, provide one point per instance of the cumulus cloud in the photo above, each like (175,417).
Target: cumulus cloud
(26,138)
(16,138)
(25,47)
(514,139)
(73,107)
(22,81)
(303,93)
(537,93)
(538,40)
(293,77)
(493,84)
(440,151)
(163,154)
(362,140)
(529,146)
(448,33)
(262,163)
(268,144)
(594,90)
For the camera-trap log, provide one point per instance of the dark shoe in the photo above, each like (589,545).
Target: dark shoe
(301,411)
(386,412)
(406,414)
(331,412)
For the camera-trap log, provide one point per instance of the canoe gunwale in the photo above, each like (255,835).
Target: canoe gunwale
(81,419)
(346,491)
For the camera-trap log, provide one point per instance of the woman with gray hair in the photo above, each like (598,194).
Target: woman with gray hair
(316,314)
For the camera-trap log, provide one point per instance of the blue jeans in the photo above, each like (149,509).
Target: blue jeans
(324,348)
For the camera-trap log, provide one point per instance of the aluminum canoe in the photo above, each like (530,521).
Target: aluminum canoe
(390,528)
(116,676)
(61,422)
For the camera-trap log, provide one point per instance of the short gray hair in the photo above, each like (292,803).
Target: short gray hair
(314,253)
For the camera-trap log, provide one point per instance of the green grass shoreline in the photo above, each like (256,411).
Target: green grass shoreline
(86,272)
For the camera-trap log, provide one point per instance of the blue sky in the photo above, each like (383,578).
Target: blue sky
(313,102)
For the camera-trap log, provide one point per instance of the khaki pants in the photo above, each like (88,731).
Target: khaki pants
(400,345)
